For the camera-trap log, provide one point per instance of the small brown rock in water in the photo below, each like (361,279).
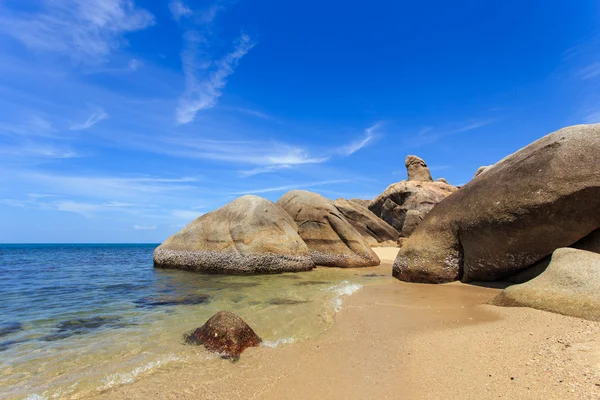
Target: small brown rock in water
(225,333)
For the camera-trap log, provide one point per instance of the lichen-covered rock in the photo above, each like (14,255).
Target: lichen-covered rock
(250,235)
(569,286)
(417,169)
(331,239)
(225,333)
(371,227)
(543,197)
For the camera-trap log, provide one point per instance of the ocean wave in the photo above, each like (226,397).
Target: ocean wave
(343,289)
(122,378)
(275,343)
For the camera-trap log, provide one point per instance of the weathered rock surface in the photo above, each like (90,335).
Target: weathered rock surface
(417,169)
(225,333)
(569,286)
(371,227)
(543,197)
(331,239)
(405,204)
(250,235)
(364,203)
(481,170)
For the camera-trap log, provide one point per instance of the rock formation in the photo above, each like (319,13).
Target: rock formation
(372,228)
(569,286)
(225,333)
(417,169)
(331,239)
(249,235)
(405,204)
(543,197)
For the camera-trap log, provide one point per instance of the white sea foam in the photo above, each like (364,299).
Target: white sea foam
(122,378)
(343,289)
(275,343)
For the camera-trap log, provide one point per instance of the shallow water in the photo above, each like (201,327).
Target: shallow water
(79,319)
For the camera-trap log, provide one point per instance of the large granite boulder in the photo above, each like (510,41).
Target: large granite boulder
(405,204)
(569,286)
(331,239)
(225,333)
(543,197)
(417,169)
(371,227)
(250,235)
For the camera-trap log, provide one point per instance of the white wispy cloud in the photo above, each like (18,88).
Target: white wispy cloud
(33,125)
(179,9)
(85,30)
(589,72)
(112,189)
(257,153)
(284,188)
(430,135)
(369,135)
(97,116)
(144,227)
(206,79)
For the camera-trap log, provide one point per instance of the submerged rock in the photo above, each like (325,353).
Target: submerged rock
(372,228)
(81,326)
(543,197)
(6,328)
(331,239)
(250,235)
(281,301)
(569,286)
(225,333)
(166,300)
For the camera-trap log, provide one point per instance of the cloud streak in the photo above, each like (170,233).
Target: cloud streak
(84,30)
(202,93)
(92,120)
(370,135)
(430,135)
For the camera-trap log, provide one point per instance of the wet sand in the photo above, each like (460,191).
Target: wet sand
(405,341)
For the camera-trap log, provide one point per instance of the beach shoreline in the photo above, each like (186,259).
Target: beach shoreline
(403,340)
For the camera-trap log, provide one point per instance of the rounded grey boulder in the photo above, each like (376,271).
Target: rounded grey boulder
(250,235)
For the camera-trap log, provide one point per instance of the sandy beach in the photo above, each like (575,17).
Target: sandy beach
(398,340)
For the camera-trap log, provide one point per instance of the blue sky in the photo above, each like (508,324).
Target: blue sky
(122,120)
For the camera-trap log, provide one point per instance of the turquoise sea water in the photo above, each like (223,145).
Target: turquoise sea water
(82,318)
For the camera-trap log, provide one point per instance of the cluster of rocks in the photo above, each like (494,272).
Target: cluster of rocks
(512,221)
(405,204)
(252,235)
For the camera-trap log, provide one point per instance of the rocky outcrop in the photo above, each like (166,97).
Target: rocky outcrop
(372,228)
(543,197)
(225,333)
(405,204)
(250,235)
(417,169)
(569,286)
(331,239)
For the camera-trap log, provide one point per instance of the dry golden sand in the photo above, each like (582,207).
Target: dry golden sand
(406,341)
